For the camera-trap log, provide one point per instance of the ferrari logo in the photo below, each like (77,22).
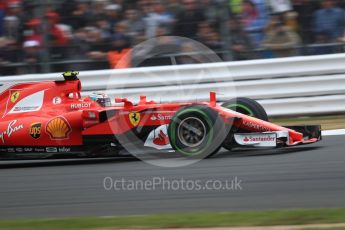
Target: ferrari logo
(14,96)
(134,118)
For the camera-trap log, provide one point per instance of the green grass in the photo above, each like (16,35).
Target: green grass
(327,122)
(336,228)
(222,219)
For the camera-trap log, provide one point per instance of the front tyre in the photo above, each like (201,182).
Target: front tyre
(245,106)
(196,131)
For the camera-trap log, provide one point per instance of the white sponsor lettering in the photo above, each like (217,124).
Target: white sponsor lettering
(91,122)
(81,106)
(64,150)
(25,109)
(11,128)
(11,150)
(160,117)
(257,139)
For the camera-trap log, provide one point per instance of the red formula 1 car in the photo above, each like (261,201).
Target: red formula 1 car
(49,118)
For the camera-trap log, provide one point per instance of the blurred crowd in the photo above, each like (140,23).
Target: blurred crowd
(36,32)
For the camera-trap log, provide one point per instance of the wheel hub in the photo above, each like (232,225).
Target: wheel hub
(191,132)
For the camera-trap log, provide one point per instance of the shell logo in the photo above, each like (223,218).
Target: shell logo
(58,128)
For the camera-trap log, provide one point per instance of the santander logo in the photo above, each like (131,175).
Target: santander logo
(259,139)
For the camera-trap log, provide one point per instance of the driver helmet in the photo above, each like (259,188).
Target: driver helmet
(101,98)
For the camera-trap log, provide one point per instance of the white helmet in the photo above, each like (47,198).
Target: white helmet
(101,98)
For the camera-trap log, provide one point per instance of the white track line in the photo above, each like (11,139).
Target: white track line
(337,132)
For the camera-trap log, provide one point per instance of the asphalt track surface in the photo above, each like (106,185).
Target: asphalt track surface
(301,177)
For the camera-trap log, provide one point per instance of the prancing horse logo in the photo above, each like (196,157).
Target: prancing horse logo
(14,96)
(134,118)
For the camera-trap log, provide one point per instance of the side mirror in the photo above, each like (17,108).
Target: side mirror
(121,100)
(125,101)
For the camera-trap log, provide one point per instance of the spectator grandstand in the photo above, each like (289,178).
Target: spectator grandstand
(55,35)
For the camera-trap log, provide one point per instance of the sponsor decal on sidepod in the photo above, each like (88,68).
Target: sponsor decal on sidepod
(11,128)
(58,128)
(35,130)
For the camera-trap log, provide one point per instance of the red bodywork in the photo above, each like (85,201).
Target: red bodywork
(54,114)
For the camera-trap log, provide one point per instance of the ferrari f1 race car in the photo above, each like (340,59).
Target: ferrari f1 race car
(51,118)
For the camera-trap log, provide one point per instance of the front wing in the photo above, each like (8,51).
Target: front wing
(311,134)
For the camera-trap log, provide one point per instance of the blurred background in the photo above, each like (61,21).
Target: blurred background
(41,36)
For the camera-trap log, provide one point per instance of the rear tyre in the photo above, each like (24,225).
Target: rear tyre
(196,131)
(245,106)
